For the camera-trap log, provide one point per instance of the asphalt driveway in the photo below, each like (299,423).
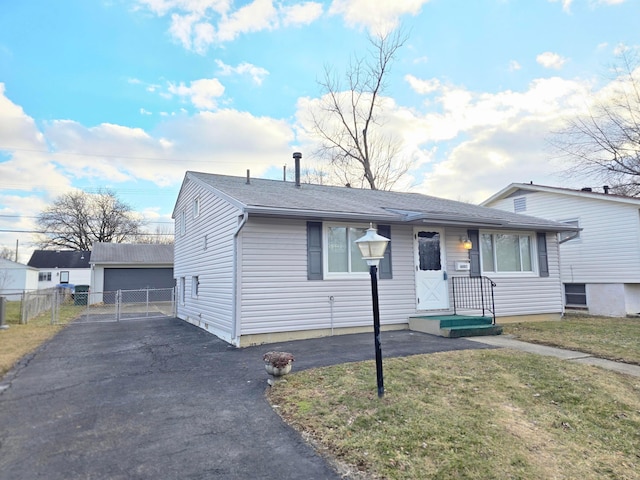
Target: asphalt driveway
(162,399)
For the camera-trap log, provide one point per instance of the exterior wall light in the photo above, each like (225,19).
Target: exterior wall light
(466,243)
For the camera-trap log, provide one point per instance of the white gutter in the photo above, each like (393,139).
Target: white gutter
(234,307)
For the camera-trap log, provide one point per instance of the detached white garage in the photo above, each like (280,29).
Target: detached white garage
(119,266)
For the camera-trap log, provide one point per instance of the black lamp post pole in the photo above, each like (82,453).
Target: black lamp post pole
(373,271)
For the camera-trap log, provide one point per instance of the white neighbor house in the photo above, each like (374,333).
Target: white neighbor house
(15,278)
(261,261)
(61,268)
(600,265)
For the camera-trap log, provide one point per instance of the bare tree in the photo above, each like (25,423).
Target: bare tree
(349,123)
(161,236)
(78,219)
(7,253)
(605,143)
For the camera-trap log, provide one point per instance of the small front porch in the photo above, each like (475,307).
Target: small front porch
(454,326)
(473,295)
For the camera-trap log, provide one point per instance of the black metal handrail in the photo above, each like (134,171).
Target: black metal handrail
(474,293)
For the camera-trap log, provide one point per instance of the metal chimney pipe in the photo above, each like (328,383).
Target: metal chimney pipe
(606,189)
(297,156)
(248,177)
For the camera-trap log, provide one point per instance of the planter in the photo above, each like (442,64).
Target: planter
(278,363)
(277,371)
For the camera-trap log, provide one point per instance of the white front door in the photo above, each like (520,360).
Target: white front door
(432,290)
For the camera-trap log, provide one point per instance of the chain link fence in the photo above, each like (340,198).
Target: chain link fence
(84,306)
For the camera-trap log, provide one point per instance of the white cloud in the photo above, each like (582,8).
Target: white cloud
(514,66)
(422,86)
(551,60)
(301,13)
(378,16)
(566,4)
(254,17)
(202,93)
(257,74)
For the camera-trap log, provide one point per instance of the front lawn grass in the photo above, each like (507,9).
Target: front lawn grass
(19,340)
(476,414)
(605,337)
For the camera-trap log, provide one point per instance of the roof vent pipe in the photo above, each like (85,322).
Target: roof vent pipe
(297,156)
(606,189)
(248,177)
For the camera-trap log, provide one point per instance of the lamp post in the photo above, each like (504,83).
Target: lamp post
(372,247)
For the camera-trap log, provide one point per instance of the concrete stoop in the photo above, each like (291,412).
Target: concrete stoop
(454,326)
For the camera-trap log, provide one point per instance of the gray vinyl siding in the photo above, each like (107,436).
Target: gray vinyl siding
(514,295)
(276,295)
(608,250)
(213,307)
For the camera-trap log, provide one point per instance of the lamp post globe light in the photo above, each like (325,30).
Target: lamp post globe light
(372,247)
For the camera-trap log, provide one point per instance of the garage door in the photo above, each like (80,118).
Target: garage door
(137,278)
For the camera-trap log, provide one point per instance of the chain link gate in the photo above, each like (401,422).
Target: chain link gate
(124,305)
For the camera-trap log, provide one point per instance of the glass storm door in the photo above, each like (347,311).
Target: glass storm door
(432,291)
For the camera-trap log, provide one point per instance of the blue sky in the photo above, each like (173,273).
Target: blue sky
(130,94)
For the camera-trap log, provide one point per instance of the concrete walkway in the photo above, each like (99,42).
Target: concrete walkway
(506,341)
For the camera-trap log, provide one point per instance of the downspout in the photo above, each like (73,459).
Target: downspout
(234,308)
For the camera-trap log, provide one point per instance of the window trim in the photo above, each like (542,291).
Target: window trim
(62,274)
(195,286)
(327,275)
(44,276)
(181,290)
(533,252)
(196,207)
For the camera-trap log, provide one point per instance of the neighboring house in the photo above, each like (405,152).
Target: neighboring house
(264,260)
(61,267)
(123,266)
(600,265)
(15,278)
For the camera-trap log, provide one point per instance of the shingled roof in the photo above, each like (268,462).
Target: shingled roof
(285,199)
(59,259)
(135,254)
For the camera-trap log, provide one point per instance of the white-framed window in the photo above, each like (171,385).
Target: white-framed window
(343,257)
(196,207)
(507,252)
(195,286)
(64,277)
(567,236)
(44,276)
(181,289)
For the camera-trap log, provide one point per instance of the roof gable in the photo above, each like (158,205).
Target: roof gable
(285,199)
(520,189)
(59,259)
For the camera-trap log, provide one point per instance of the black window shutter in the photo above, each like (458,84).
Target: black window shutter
(543,259)
(384,269)
(314,250)
(474,253)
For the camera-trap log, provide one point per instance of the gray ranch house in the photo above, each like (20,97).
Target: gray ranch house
(259,261)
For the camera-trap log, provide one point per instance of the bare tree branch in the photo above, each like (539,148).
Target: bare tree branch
(605,143)
(77,220)
(348,126)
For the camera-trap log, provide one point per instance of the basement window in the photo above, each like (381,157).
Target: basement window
(575,294)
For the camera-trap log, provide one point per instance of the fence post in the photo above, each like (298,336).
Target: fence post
(23,308)
(118,300)
(2,314)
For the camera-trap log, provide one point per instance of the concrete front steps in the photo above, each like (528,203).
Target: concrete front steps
(454,326)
